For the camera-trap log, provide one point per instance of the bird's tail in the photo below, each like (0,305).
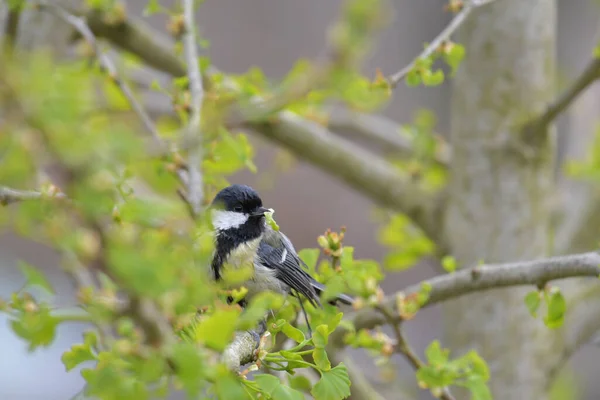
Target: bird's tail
(342,298)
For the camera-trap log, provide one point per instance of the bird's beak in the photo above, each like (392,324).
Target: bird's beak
(260,212)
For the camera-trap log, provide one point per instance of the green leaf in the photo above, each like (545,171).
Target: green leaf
(216,331)
(34,277)
(271,220)
(152,7)
(413,78)
(294,360)
(189,370)
(310,257)
(320,336)
(333,385)
(38,328)
(347,258)
(557,307)
(454,56)
(229,387)
(267,382)
(478,366)
(449,263)
(479,389)
(533,300)
(272,386)
(334,322)
(293,333)
(433,78)
(321,359)
(287,393)
(76,355)
(300,382)
(435,354)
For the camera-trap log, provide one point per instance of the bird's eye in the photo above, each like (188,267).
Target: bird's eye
(237,208)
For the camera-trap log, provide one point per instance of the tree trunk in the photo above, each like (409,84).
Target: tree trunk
(501,184)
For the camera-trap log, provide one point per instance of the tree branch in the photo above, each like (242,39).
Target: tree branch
(360,169)
(457,21)
(380,131)
(192,132)
(9,196)
(405,349)
(480,278)
(105,63)
(589,75)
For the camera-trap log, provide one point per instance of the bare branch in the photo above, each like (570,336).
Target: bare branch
(457,21)
(360,169)
(445,287)
(381,131)
(9,196)
(242,350)
(590,74)
(192,132)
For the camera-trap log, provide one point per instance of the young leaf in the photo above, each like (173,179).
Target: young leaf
(34,277)
(217,330)
(300,382)
(435,354)
(533,300)
(189,369)
(76,355)
(272,386)
(267,383)
(320,336)
(479,390)
(293,333)
(449,263)
(557,306)
(321,359)
(333,385)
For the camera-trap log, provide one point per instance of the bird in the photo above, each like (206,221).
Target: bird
(243,238)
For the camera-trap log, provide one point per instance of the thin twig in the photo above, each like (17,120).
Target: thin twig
(9,195)
(404,348)
(195,185)
(452,27)
(106,63)
(590,74)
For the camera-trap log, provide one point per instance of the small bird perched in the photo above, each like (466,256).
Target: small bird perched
(244,238)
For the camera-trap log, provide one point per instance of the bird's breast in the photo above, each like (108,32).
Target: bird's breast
(243,255)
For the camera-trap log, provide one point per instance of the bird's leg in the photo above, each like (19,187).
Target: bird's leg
(305,314)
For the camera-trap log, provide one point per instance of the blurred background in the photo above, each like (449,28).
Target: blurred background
(273,34)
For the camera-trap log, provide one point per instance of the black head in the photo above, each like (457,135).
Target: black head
(237,206)
(238,198)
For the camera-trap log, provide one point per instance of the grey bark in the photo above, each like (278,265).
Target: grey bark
(501,180)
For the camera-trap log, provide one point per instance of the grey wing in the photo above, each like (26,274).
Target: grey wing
(279,240)
(287,269)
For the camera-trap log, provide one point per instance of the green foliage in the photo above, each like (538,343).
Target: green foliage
(409,244)
(449,263)
(422,71)
(469,371)
(34,277)
(556,305)
(333,385)
(162,321)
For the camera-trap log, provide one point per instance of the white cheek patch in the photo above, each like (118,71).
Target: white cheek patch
(223,220)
